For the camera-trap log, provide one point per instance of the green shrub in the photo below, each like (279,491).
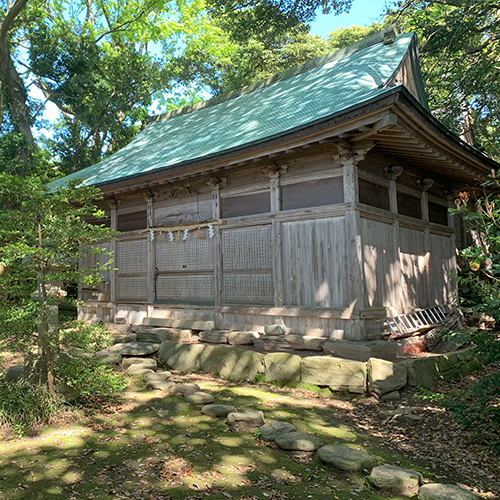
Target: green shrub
(24,407)
(89,376)
(89,337)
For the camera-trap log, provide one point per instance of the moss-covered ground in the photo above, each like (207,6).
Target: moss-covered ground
(149,445)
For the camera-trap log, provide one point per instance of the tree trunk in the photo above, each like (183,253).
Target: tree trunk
(12,85)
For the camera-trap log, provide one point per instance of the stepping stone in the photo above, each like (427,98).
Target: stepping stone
(297,441)
(160,385)
(214,336)
(200,398)
(242,338)
(186,389)
(144,362)
(135,370)
(396,480)
(270,431)
(158,376)
(345,458)
(219,411)
(245,420)
(437,491)
(109,358)
(134,348)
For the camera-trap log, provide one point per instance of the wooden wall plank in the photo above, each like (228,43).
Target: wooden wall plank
(315,263)
(378,262)
(412,255)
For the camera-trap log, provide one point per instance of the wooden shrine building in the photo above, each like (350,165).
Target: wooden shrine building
(318,198)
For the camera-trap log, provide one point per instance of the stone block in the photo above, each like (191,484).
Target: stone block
(231,363)
(159,376)
(274,330)
(282,367)
(142,362)
(345,458)
(338,374)
(123,338)
(391,396)
(109,358)
(180,323)
(78,351)
(118,327)
(183,357)
(214,336)
(134,348)
(242,338)
(363,350)
(385,376)
(136,370)
(423,372)
(14,373)
(295,342)
(158,335)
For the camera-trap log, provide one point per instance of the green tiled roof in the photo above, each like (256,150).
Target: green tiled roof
(297,99)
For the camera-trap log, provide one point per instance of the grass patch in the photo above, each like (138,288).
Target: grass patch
(25,407)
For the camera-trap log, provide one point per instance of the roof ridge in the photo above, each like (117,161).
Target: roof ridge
(387,35)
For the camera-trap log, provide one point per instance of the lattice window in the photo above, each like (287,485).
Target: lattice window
(254,288)
(132,288)
(199,289)
(247,265)
(192,254)
(132,256)
(247,249)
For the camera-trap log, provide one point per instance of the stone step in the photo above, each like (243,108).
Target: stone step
(180,323)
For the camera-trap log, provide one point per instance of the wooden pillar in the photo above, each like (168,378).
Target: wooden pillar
(451,223)
(113,205)
(349,158)
(424,185)
(392,173)
(215,184)
(275,174)
(149,199)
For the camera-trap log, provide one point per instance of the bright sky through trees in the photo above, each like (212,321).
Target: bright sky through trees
(362,13)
